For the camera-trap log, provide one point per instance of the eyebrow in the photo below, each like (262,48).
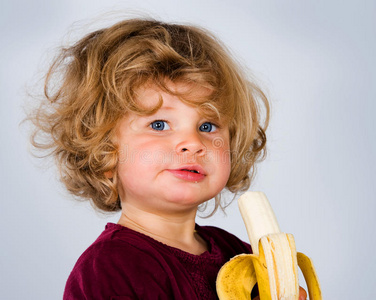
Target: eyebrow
(165,108)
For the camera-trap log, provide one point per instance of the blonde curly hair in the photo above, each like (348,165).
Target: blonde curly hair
(91,85)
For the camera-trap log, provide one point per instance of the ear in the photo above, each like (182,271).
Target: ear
(109,174)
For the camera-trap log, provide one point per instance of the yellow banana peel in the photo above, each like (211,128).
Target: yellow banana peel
(274,264)
(306,266)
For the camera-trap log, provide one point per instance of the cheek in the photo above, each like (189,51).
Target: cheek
(226,160)
(226,164)
(222,162)
(132,175)
(130,165)
(141,160)
(141,153)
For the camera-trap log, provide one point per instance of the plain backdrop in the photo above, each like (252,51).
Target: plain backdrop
(315,59)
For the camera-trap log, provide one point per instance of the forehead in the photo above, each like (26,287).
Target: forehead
(151,95)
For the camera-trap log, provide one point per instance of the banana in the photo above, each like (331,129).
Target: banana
(274,262)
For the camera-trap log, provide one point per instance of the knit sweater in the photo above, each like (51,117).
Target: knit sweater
(125,264)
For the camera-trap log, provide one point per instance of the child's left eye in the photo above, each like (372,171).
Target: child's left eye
(208,127)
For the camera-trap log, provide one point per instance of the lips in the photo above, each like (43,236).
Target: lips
(193,173)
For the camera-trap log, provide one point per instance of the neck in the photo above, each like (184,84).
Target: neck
(174,231)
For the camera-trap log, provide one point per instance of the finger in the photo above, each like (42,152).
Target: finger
(302,294)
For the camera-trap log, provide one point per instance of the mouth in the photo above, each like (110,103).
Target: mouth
(194,173)
(196,169)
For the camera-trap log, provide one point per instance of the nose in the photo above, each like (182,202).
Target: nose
(191,144)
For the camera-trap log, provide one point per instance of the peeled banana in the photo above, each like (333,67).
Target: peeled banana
(274,262)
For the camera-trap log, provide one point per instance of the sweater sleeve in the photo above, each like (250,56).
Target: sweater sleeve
(116,270)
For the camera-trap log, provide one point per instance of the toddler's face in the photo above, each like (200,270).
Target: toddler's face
(174,159)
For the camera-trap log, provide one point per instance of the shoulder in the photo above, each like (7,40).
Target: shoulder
(115,264)
(224,239)
(116,245)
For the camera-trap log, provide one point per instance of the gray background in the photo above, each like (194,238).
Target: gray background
(317,61)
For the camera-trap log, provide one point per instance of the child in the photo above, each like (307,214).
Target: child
(152,119)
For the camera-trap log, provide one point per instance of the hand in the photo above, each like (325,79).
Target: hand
(302,294)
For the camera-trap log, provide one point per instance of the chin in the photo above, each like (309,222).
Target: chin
(194,198)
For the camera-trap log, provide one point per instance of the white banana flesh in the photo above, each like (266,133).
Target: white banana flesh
(258,217)
(280,257)
(279,248)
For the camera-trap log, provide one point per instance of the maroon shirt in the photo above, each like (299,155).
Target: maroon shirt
(125,264)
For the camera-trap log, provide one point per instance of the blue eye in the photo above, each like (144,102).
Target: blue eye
(208,127)
(159,125)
